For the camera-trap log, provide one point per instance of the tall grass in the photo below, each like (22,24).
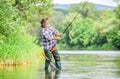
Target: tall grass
(19,50)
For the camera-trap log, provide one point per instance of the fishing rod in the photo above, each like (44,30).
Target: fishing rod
(51,63)
(69,25)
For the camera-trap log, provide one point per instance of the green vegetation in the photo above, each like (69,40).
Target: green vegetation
(92,30)
(19,21)
(16,17)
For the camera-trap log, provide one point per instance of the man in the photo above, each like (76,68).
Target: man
(49,37)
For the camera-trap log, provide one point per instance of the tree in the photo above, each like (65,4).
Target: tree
(92,29)
(88,10)
(117,11)
(114,35)
(16,16)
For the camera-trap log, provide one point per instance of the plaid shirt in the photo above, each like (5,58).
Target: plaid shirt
(47,34)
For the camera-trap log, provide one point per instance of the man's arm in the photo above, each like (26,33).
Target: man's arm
(56,32)
(56,38)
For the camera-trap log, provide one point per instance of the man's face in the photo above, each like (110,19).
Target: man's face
(46,24)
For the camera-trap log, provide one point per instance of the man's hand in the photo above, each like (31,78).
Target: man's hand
(60,35)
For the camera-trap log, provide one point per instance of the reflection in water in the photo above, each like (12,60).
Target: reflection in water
(18,72)
(52,74)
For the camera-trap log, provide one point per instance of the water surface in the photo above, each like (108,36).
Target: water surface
(75,65)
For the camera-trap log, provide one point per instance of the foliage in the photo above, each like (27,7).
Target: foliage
(57,21)
(117,11)
(92,29)
(16,17)
(88,10)
(19,48)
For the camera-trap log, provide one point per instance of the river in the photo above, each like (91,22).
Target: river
(75,65)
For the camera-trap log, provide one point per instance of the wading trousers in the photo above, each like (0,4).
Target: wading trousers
(56,56)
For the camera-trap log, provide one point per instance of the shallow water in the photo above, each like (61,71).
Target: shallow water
(75,65)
